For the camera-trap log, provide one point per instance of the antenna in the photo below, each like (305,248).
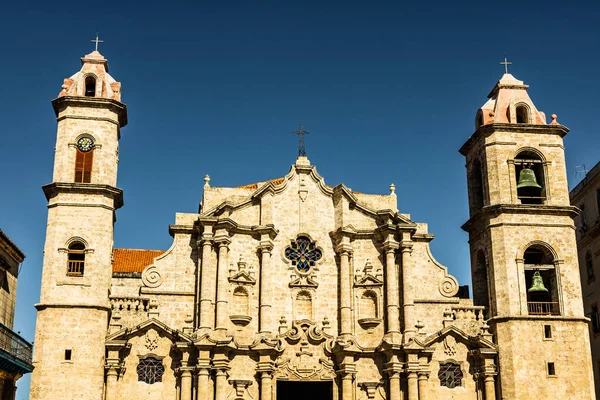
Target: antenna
(580,172)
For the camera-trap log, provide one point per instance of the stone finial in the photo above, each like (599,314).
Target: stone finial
(368,267)
(554,121)
(241,264)
(206,181)
(392,189)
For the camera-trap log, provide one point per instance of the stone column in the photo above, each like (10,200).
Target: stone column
(413,387)
(111,383)
(203,383)
(186,383)
(345,250)
(423,386)
(266,385)
(347,372)
(266,292)
(206,278)
(391,284)
(407,286)
(490,387)
(222,310)
(394,380)
(347,392)
(221,384)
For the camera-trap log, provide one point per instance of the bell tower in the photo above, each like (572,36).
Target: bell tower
(74,307)
(523,252)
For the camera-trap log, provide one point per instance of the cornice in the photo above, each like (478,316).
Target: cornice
(532,209)
(92,102)
(185,229)
(43,306)
(486,130)
(53,189)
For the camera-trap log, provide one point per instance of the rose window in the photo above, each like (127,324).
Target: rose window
(303,253)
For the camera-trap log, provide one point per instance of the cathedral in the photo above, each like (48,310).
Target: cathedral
(293,289)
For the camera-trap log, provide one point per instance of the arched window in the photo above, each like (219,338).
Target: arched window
(90,86)
(150,370)
(368,304)
(541,281)
(480,281)
(589,266)
(76,259)
(239,303)
(304,305)
(476,184)
(522,114)
(530,178)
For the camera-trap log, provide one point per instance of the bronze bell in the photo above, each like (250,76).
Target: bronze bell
(527,180)
(537,285)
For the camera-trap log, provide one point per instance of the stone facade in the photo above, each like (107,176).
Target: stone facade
(292,284)
(586,196)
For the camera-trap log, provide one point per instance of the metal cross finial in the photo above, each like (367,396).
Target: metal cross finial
(301,132)
(97,41)
(506,63)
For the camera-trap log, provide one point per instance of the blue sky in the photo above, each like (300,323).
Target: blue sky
(388,91)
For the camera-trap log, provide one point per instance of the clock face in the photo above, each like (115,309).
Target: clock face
(85,144)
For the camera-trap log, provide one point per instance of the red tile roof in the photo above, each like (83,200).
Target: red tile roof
(276,181)
(133,260)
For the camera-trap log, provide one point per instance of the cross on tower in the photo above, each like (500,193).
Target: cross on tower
(506,63)
(97,41)
(301,132)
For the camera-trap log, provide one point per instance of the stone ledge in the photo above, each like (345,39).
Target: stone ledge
(43,306)
(92,102)
(538,318)
(52,189)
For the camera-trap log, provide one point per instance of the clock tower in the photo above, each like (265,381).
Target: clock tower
(74,307)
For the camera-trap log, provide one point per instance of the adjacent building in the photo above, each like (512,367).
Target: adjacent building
(15,352)
(292,288)
(586,196)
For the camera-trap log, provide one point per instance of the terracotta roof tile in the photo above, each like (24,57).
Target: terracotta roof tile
(133,260)
(276,181)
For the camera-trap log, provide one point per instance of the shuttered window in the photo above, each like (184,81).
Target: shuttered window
(83,166)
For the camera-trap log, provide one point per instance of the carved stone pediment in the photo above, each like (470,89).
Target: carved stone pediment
(368,281)
(367,278)
(304,282)
(306,355)
(242,278)
(244,275)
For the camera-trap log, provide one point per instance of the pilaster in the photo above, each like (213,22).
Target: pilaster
(391,284)
(222,240)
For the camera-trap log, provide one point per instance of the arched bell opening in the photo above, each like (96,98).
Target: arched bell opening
(476,193)
(530,178)
(522,113)
(541,281)
(481,296)
(90,86)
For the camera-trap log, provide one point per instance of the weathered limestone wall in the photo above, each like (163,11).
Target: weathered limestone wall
(523,348)
(128,387)
(81,330)
(102,125)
